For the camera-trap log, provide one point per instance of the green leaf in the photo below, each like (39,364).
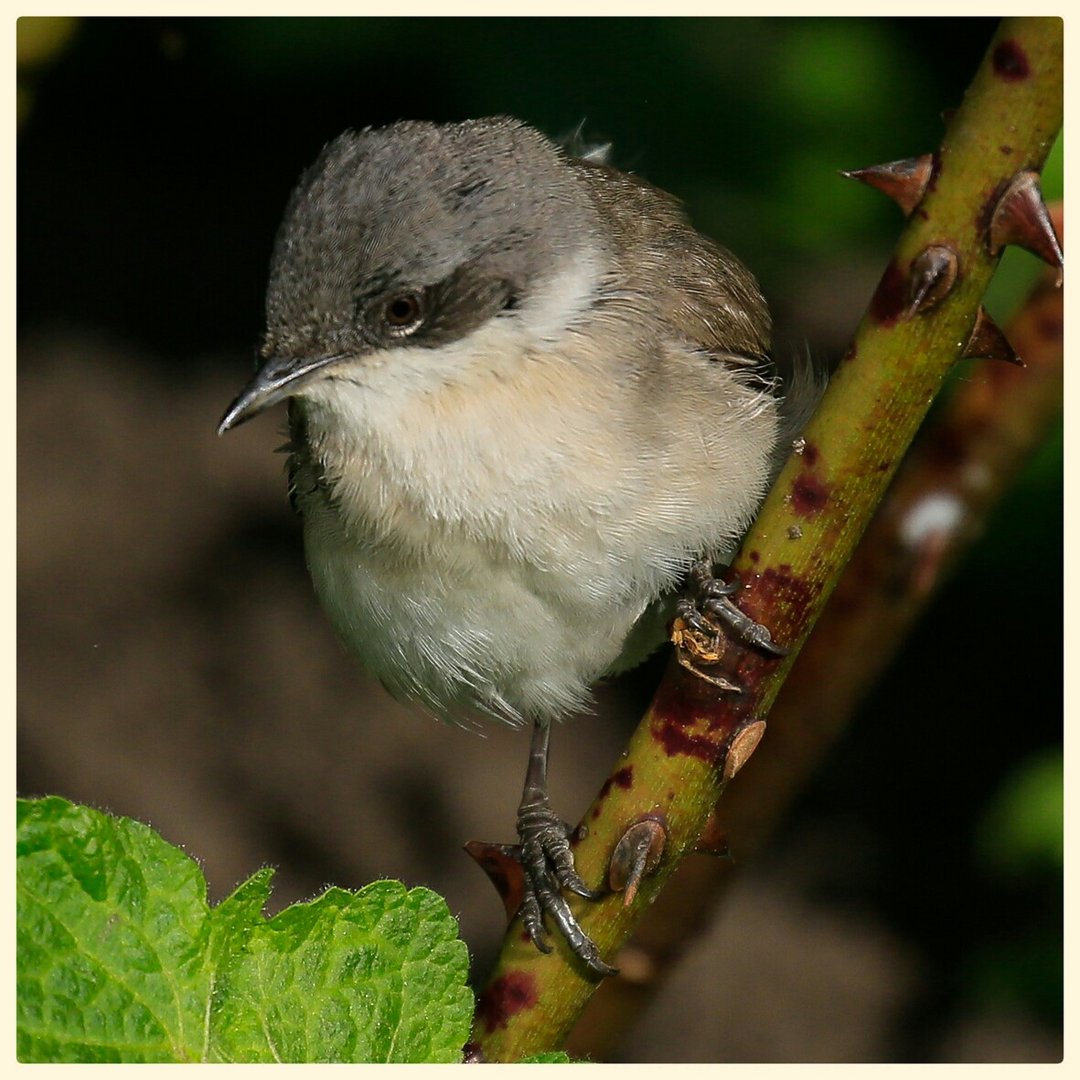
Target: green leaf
(120,958)
(112,931)
(376,975)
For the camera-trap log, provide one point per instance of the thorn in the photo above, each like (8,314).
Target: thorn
(636,966)
(636,854)
(904,181)
(931,278)
(1020,217)
(503,867)
(988,342)
(743,743)
(713,840)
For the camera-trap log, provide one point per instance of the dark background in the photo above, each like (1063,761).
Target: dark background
(174,666)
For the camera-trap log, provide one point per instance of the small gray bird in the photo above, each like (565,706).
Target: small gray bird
(527,400)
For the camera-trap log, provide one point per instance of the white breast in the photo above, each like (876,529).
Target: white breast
(496,514)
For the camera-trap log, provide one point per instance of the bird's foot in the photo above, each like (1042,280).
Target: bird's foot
(548,865)
(701,619)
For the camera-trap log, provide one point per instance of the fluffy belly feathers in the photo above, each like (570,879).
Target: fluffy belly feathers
(491,551)
(464,629)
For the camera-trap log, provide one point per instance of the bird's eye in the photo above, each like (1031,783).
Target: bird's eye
(403,314)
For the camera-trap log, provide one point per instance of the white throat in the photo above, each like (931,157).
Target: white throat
(377,386)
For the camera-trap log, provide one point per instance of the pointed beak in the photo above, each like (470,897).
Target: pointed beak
(278,378)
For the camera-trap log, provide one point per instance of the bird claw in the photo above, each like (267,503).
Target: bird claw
(701,619)
(533,918)
(753,633)
(548,864)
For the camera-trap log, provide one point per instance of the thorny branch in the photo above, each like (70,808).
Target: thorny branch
(980,192)
(936,507)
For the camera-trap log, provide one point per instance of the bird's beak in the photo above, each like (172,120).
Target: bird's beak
(278,378)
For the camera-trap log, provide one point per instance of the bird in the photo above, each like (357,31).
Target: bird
(527,403)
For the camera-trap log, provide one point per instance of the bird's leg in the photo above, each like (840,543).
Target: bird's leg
(702,616)
(548,862)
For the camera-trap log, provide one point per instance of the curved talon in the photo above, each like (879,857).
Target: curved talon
(562,860)
(548,864)
(534,923)
(579,888)
(568,877)
(753,633)
(765,642)
(580,943)
(700,620)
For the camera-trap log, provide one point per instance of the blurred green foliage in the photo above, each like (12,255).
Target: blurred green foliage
(748,120)
(1020,841)
(38,42)
(1022,831)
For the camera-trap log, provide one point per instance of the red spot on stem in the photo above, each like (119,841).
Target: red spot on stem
(675,726)
(780,586)
(809,494)
(1011,62)
(505,997)
(624,778)
(677,740)
(889,298)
